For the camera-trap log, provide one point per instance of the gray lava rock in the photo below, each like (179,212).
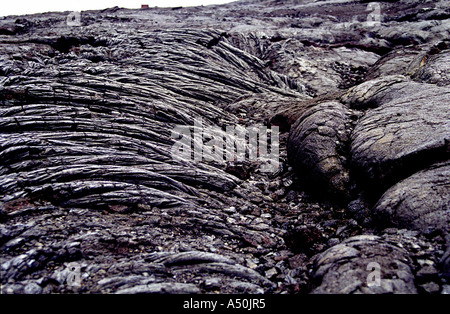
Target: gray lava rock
(317,147)
(171,288)
(435,69)
(89,117)
(421,201)
(364,264)
(408,131)
(445,264)
(396,62)
(374,93)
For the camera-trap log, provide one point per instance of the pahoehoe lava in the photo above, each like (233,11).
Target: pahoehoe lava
(89,188)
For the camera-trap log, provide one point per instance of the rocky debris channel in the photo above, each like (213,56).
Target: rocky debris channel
(92,200)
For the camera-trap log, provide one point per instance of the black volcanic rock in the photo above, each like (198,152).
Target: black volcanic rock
(364,264)
(317,147)
(92,199)
(421,201)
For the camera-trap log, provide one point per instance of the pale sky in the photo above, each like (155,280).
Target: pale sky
(19,7)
